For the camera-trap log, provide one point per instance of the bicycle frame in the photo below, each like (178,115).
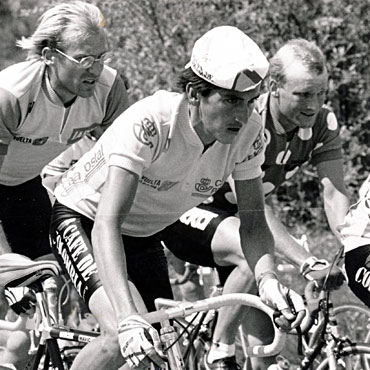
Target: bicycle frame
(49,333)
(169,309)
(325,335)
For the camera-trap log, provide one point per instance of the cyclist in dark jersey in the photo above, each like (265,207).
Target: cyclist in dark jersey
(298,129)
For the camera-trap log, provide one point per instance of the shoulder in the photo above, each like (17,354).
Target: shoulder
(19,79)
(326,119)
(149,118)
(162,105)
(261,103)
(255,118)
(108,76)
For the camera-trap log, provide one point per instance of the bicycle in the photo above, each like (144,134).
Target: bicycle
(16,270)
(325,344)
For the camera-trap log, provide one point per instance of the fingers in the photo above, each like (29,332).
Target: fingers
(153,356)
(290,306)
(144,358)
(156,341)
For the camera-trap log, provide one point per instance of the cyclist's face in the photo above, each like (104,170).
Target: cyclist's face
(68,78)
(223,113)
(301,97)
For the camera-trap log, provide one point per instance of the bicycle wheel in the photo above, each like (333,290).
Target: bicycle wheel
(355,357)
(353,322)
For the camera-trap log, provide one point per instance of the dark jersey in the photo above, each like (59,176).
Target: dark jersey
(286,153)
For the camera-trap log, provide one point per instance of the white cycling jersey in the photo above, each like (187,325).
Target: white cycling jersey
(155,140)
(355,231)
(35,126)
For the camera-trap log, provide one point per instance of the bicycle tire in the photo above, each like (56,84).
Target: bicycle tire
(358,354)
(353,322)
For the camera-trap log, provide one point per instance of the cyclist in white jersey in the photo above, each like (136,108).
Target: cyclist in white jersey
(162,156)
(298,129)
(61,92)
(355,233)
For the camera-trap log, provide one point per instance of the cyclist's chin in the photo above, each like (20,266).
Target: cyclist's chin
(86,91)
(306,122)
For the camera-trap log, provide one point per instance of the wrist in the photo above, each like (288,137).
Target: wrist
(261,278)
(312,264)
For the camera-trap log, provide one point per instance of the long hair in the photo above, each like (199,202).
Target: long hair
(62,25)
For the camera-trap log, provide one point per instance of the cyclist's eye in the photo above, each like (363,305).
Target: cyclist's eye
(87,61)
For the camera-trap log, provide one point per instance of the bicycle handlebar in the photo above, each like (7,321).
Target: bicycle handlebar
(186,308)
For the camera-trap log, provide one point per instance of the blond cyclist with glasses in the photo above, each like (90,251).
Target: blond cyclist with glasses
(48,102)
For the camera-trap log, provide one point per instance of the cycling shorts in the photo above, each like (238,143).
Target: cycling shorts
(25,212)
(357,265)
(191,236)
(71,243)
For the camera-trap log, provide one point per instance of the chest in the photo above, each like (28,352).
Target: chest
(45,121)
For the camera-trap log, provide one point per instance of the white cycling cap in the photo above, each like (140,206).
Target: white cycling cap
(226,57)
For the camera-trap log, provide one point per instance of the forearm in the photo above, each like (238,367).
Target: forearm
(111,263)
(285,246)
(336,207)
(258,249)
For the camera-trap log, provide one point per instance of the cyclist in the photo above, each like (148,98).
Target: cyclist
(356,240)
(298,129)
(162,156)
(62,91)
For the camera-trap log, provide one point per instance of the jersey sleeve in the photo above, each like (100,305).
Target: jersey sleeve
(10,116)
(135,138)
(250,167)
(329,143)
(64,161)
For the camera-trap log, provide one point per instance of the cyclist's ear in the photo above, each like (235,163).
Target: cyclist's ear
(192,94)
(47,56)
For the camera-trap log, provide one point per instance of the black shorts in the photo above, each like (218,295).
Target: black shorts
(25,212)
(357,265)
(70,235)
(191,236)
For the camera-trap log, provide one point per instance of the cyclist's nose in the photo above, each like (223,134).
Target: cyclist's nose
(243,113)
(96,68)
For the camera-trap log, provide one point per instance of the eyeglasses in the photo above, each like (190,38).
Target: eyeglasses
(86,62)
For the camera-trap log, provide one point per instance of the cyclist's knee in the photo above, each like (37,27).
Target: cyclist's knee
(18,342)
(244,268)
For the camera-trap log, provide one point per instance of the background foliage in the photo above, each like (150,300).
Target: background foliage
(152,40)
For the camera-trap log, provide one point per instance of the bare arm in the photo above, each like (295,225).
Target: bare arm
(258,247)
(334,194)
(286,247)
(117,198)
(256,239)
